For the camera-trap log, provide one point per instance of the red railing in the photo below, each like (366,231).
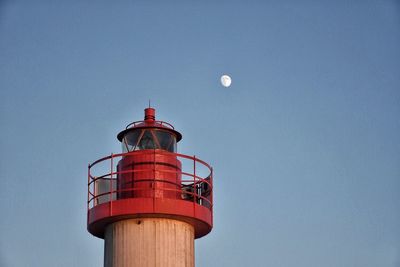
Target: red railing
(196,179)
(163,123)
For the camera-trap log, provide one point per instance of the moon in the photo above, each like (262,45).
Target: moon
(226,80)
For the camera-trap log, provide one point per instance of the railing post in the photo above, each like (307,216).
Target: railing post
(111,183)
(194,185)
(212,193)
(94,191)
(88,195)
(153,183)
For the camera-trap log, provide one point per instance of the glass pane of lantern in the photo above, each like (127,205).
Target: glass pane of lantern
(130,140)
(166,140)
(146,142)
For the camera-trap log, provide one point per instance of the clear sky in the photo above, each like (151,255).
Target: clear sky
(304,144)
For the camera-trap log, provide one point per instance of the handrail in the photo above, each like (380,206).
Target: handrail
(194,188)
(151,151)
(141,189)
(163,123)
(105,176)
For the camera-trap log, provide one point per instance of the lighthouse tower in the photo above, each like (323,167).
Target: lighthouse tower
(149,203)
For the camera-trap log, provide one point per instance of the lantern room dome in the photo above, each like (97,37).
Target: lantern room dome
(149,134)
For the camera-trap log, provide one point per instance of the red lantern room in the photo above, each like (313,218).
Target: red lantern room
(149,135)
(149,179)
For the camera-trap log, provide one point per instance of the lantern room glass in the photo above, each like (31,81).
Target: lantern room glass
(142,139)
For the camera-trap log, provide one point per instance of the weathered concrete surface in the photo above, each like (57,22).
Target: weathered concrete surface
(149,242)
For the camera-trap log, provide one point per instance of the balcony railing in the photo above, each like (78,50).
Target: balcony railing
(195,176)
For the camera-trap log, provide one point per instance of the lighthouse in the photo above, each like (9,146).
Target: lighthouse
(149,203)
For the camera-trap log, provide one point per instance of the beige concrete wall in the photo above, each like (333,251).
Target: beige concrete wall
(150,242)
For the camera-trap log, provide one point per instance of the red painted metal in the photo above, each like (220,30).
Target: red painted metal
(150,183)
(167,167)
(149,114)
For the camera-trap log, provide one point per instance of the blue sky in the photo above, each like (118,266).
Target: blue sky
(304,144)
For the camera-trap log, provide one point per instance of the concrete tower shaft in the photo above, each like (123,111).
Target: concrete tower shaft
(149,242)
